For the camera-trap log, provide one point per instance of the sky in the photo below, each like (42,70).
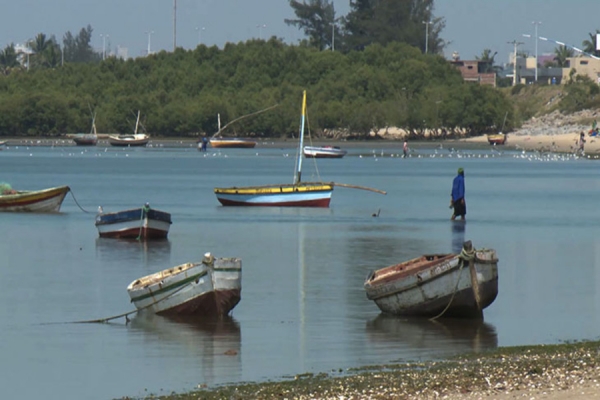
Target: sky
(471,25)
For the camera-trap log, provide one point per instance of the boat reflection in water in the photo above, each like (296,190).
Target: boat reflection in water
(209,348)
(437,339)
(119,250)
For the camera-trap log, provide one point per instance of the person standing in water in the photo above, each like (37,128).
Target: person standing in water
(457,197)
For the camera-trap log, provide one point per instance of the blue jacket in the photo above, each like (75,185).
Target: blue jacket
(458,187)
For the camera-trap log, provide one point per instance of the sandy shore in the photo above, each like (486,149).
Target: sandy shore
(550,142)
(555,372)
(558,143)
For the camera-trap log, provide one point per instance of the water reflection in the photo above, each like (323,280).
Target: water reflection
(213,344)
(133,250)
(444,336)
(458,235)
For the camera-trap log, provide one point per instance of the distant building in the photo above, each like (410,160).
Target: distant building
(122,52)
(545,75)
(585,65)
(475,70)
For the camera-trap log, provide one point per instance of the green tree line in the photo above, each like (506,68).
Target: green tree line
(180,93)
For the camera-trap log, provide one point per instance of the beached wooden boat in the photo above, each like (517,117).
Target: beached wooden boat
(230,143)
(211,287)
(452,285)
(87,139)
(323,152)
(46,200)
(139,223)
(496,138)
(131,139)
(138,139)
(296,194)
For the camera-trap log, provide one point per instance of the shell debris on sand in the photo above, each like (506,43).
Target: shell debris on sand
(559,372)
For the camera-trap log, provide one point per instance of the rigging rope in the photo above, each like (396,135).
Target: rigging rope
(104,320)
(78,205)
(464,256)
(145,210)
(314,160)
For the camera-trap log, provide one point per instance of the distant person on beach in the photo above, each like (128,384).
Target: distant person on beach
(581,142)
(405,149)
(457,197)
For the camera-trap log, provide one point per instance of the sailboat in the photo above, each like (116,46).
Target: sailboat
(135,139)
(87,139)
(296,194)
(498,138)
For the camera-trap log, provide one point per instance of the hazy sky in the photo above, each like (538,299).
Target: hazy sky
(471,25)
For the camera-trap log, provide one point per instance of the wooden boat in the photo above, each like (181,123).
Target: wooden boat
(132,139)
(231,143)
(296,194)
(324,152)
(452,285)
(87,139)
(2,142)
(496,138)
(138,223)
(211,287)
(46,200)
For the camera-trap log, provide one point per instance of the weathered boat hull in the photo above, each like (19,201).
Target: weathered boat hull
(47,200)
(85,140)
(304,195)
(323,152)
(446,285)
(129,140)
(134,224)
(209,288)
(231,143)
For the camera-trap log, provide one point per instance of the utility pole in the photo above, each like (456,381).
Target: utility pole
(516,44)
(536,23)
(174,25)
(426,34)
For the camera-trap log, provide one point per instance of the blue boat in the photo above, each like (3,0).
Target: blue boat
(139,223)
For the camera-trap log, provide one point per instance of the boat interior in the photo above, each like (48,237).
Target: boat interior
(409,267)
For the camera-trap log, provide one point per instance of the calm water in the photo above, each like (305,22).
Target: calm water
(303,307)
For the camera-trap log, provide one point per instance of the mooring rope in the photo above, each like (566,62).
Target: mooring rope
(104,320)
(78,205)
(464,256)
(145,210)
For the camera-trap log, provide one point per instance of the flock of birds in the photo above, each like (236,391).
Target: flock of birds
(438,152)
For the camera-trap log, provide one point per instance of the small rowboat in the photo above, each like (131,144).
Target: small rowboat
(211,287)
(324,152)
(453,285)
(231,143)
(46,200)
(130,139)
(138,223)
(137,139)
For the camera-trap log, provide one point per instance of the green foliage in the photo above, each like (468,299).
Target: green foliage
(581,94)
(183,93)
(387,21)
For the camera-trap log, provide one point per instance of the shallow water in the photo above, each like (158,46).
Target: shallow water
(303,308)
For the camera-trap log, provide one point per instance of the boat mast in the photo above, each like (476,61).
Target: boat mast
(299,175)
(137,122)
(93,132)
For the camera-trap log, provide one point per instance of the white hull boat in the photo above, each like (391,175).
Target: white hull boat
(211,287)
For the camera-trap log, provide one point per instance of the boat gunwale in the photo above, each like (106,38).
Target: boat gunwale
(277,189)
(415,265)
